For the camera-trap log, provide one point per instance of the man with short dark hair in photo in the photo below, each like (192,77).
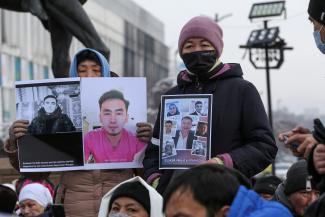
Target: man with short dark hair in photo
(111,142)
(202,129)
(185,136)
(50,119)
(168,127)
(198,108)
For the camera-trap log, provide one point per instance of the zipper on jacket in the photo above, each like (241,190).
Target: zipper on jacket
(197,84)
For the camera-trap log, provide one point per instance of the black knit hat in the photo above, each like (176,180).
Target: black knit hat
(316,10)
(267,184)
(298,178)
(134,190)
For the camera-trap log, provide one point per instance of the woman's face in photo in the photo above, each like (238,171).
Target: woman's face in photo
(172,109)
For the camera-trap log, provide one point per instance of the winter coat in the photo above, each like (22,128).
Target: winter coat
(81,191)
(50,123)
(240,127)
(248,203)
(156,201)
(282,198)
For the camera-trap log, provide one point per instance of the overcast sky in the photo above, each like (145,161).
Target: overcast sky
(300,82)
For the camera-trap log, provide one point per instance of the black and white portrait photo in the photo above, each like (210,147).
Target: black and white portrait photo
(49,107)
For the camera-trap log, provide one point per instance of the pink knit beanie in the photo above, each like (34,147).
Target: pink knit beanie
(202,27)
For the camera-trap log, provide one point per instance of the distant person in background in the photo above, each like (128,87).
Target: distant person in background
(132,198)
(298,191)
(302,141)
(301,136)
(8,200)
(50,119)
(34,200)
(265,186)
(216,191)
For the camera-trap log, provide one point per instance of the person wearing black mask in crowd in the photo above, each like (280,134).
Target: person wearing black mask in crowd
(242,137)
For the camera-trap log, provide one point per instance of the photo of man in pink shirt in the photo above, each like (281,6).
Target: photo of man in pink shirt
(111,142)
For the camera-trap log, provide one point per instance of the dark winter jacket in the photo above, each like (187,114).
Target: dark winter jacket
(240,125)
(52,123)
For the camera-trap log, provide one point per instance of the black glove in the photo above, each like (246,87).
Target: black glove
(319,131)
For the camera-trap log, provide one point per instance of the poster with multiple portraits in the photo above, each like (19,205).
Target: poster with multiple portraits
(185,130)
(81,123)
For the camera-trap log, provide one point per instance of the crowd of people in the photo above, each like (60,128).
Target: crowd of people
(242,145)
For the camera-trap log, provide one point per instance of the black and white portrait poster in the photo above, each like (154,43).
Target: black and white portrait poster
(185,130)
(54,135)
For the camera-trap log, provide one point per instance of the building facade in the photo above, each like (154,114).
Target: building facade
(134,36)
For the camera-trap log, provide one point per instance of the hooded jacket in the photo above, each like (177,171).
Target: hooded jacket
(240,128)
(248,203)
(73,72)
(156,200)
(282,198)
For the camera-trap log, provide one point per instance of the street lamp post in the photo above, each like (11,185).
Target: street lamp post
(267,40)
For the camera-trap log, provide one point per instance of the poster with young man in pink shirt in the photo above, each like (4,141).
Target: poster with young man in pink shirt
(108,140)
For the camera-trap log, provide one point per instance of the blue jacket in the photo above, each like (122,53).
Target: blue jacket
(248,203)
(104,64)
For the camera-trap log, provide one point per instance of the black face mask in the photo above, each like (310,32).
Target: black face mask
(200,62)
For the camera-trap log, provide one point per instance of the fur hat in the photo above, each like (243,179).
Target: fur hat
(298,178)
(267,184)
(202,27)
(316,10)
(134,190)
